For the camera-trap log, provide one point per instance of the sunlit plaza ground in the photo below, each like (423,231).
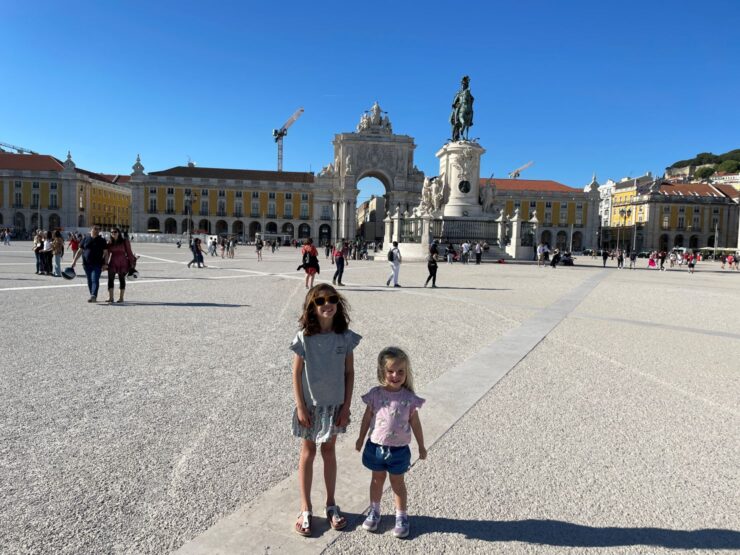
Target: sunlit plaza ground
(146,427)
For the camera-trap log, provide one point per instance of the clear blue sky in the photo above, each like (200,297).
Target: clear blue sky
(577,86)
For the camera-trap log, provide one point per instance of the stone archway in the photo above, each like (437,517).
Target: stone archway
(546,237)
(152,225)
(55,222)
(373,150)
(288,229)
(254,229)
(170,225)
(19,222)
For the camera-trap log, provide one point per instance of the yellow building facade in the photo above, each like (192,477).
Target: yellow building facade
(39,191)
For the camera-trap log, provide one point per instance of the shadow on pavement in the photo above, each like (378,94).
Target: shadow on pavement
(144,303)
(567,534)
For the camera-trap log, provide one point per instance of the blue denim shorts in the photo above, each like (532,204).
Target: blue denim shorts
(395,460)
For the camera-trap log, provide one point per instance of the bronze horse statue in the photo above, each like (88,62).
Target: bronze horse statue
(462,111)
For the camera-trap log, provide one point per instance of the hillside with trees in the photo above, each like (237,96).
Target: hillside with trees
(729,162)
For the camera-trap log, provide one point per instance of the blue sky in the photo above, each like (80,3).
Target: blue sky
(578,87)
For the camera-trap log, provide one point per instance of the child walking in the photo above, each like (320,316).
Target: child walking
(391,415)
(323,379)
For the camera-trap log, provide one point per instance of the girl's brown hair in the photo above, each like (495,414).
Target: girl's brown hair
(309,320)
(393,354)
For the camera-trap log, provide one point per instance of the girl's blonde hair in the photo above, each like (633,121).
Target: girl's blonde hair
(392,354)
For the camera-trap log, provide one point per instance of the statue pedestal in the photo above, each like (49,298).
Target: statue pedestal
(459,162)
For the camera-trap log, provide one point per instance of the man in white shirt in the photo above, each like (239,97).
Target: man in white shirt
(395,265)
(465,252)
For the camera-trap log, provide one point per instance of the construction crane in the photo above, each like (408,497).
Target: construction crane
(282,132)
(516,172)
(18,149)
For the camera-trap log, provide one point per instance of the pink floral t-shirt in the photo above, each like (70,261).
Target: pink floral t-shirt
(391,414)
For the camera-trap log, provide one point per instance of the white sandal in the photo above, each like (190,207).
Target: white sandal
(303,524)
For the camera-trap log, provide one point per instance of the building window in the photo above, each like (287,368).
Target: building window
(288,210)
(35,184)
(548,204)
(255,209)
(255,194)
(288,196)
(715,210)
(271,195)
(563,213)
(715,222)
(681,222)
(271,213)
(152,190)
(204,192)
(666,210)
(665,222)
(170,190)
(53,186)
(326,213)
(170,205)
(517,204)
(696,222)
(203,207)
(221,193)
(221,206)
(238,209)
(152,204)
(53,199)
(681,209)
(304,196)
(304,210)
(533,204)
(238,194)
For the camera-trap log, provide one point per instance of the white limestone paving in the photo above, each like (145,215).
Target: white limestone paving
(145,428)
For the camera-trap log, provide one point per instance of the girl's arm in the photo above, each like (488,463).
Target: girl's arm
(418,434)
(303,418)
(349,384)
(364,427)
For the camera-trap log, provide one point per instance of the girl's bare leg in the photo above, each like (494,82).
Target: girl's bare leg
(305,473)
(376,485)
(399,491)
(329,455)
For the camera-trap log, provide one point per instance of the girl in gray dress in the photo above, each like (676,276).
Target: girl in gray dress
(323,378)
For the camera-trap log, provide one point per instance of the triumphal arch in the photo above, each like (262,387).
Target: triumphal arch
(373,150)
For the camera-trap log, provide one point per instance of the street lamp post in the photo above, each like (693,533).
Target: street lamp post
(625,214)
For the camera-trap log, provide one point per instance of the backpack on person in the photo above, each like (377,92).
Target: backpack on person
(391,255)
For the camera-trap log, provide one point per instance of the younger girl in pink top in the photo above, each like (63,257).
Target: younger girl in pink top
(391,416)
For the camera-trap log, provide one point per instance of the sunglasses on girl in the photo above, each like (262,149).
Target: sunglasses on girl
(321,301)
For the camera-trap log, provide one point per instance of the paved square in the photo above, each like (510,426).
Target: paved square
(154,426)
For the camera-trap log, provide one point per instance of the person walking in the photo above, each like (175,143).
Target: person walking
(74,243)
(337,257)
(432,264)
(478,250)
(541,250)
(46,253)
(323,380)
(310,257)
(394,258)
(197,249)
(465,252)
(120,260)
(258,245)
(57,250)
(391,416)
(604,256)
(633,259)
(620,259)
(93,250)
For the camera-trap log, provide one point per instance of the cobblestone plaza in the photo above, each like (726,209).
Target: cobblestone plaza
(568,410)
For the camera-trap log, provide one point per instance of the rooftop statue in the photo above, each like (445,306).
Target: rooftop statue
(462,111)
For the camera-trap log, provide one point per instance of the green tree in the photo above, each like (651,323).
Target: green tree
(703,173)
(729,166)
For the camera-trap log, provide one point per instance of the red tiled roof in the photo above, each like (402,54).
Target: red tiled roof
(225,173)
(688,189)
(29,162)
(118,179)
(727,190)
(537,185)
